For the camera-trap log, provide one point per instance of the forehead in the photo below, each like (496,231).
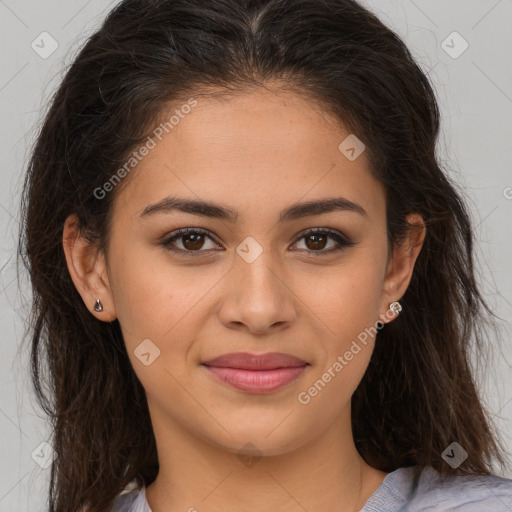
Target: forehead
(257,150)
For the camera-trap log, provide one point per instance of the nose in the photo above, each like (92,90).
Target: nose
(257,297)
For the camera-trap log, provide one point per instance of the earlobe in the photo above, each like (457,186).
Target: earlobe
(401,265)
(87,268)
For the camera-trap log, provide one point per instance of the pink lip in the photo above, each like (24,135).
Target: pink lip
(255,373)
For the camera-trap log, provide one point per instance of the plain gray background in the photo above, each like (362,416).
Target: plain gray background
(474,89)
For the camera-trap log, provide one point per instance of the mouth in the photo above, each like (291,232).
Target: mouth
(255,373)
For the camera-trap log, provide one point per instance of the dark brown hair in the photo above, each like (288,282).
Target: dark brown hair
(418,394)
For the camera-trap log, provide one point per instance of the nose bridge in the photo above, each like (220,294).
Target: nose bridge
(258,271)
(259,297)
(255,258)
(260,276)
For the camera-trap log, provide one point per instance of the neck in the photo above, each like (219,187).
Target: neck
(325,474)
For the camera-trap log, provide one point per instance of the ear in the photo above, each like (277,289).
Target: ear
(88,270)
(401,266)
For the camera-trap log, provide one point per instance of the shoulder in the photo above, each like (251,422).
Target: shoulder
(424,489)
(468,493)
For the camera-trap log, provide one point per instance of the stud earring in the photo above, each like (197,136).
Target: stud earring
(396,307)
(98,307)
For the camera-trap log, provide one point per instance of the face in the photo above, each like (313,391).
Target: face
(268,275)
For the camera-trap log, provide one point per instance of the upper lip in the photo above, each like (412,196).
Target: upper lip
(247,361)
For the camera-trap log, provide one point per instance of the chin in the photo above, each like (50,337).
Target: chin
(263,442)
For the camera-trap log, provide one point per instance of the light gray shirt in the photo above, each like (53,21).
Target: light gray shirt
(400,491)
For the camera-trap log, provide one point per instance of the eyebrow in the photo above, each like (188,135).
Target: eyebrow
(218,211)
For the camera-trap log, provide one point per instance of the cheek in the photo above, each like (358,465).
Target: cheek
(347,298)
(143,294)
(347,311)
(156,300)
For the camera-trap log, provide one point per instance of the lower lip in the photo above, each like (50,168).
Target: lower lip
(256,381)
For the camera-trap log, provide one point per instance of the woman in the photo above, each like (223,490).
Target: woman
(254,284)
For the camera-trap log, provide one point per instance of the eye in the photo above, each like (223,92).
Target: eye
(192,241)
(316,240)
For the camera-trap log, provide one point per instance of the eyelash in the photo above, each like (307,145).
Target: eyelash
(335,235)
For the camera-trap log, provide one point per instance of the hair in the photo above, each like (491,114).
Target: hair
(419,392)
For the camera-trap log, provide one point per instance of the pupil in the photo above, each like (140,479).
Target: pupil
(318,239)
(196,244)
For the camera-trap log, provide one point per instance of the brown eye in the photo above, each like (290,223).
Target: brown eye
(192,240)
(317,240)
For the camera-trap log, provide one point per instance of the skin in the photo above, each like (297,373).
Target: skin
(258,153)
